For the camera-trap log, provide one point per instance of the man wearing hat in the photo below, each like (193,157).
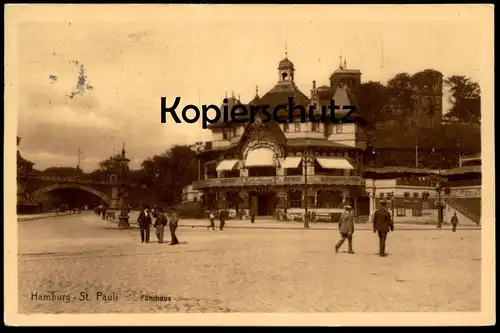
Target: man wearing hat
(382,222)
(160,224)
(346,228)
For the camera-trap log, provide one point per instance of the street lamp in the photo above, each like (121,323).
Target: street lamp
(123,218)
(306,160)
(440,205)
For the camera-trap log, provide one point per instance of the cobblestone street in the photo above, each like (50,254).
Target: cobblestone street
(243,270)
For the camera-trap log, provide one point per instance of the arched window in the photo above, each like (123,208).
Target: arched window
(284,76)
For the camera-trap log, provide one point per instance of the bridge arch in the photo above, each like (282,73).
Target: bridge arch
(38,193)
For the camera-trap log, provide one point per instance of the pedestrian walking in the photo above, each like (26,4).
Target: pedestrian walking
(382,222)
(211,216)
(346,228)
(222,217)
(252,215)
(454,222)
(173,223)
(144,222)
(160,224)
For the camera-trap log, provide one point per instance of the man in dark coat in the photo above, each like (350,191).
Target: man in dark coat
(173,223)
(454,221)
(252,215)
(346,228)
(144,222)
(382,222)
(223,215)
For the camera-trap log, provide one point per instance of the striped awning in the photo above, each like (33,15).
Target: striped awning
(334,163)
(226,165)
(291,162)
(260,157)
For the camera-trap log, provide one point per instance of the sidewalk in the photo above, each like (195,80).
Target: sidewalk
(273,224)
(31,217)
(293,225)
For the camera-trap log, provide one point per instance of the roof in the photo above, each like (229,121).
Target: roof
(462,170)
(285,64)
(325,93)
(463,137)
(345,71)
(342,96)
(280,93)
(232,101)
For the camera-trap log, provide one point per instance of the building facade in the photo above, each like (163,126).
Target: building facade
(275,167)
(287,169)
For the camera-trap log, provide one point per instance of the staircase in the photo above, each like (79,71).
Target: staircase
(469,207)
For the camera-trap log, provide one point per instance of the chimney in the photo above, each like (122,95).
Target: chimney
(314,84)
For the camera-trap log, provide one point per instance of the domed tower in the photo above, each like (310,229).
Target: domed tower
(286,70)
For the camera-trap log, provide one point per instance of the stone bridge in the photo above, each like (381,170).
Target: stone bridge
(40,185)
(32,190)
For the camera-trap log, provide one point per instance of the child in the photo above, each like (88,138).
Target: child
(211,216)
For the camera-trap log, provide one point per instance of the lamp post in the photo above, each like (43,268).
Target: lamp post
(306,160)
(123,218)
(440,205)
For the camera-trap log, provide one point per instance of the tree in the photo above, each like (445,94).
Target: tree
(62,172)
(428,80)
(465,97)
(167,174)
(372,99)
(107,167)
(401,97)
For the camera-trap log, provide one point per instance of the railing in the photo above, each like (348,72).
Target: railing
(278,180)
(474,217)
(69,179)
(416,182)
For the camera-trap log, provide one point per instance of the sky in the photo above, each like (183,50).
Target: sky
(132,56)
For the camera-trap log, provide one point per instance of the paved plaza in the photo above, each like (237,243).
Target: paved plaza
(254,269)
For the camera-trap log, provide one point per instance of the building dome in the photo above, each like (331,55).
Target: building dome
(325,93)
(286,64)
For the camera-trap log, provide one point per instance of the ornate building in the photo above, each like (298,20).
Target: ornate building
(275,167)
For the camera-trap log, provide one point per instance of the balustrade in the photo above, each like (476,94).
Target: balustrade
(278,180)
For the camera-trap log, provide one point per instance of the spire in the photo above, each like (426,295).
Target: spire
(225,94)
(123,149)
(257,90)
(340,63)
(286,51)
(232,93)
(239,97)
(345,63)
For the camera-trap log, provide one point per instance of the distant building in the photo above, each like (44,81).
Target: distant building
(190,195)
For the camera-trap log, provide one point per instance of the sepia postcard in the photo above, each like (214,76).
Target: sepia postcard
(249,165)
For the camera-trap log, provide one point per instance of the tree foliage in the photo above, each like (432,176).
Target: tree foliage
(62,172)
(372,99)
(465,97)
(400,90)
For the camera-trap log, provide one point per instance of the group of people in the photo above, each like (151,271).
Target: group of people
(222,214)
(161,218)
(382,223)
